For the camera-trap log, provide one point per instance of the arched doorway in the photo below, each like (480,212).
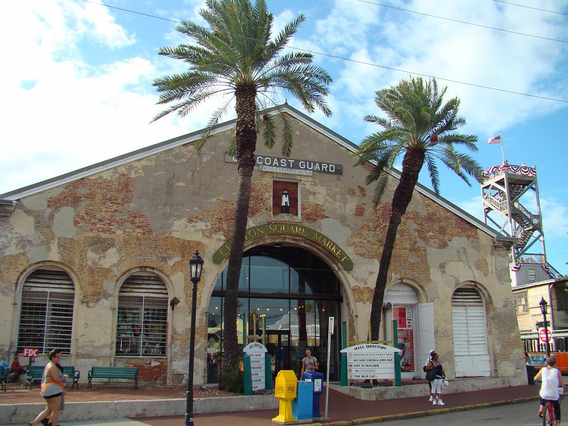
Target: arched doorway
(415,327)
(286,296)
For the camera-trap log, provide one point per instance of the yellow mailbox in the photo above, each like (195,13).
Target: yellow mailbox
(285,390)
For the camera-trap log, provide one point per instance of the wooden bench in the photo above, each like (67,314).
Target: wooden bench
(35,372)
(3,378)
(113,373)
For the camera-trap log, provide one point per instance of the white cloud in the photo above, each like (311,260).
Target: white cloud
(96,22)
(64,100)
(473,206)
(346,25)
(454,51)
(554,218)
(65,113)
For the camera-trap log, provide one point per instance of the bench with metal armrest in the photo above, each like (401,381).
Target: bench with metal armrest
(35,372)
(113,373)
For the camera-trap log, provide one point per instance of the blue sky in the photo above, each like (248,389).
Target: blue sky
(76,81)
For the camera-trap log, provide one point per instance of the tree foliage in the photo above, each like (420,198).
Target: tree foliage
(237,60)
(417,125)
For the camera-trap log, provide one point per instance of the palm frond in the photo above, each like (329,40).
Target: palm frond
(433,172)
(283,37)
(233,54)
(185,107)
(287,135)
(380,188)
(416,118)
(179,86)
(468,141)
(232,147)
(266,123)
(212,125)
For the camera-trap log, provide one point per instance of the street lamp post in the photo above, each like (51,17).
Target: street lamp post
(543,307)
(195,269)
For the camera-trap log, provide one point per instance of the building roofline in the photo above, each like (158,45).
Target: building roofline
(549,282)
(14,195)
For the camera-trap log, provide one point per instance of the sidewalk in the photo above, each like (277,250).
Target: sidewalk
(345,410)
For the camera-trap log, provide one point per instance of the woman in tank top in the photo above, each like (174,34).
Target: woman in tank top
(52,389)
(551,380)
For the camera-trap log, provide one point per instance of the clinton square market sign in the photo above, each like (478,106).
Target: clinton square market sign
(292,230)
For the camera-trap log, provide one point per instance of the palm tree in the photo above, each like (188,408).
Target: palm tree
(421,128)
(237,56)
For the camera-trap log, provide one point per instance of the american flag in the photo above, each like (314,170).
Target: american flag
(495,139)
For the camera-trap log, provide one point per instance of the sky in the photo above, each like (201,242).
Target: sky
(76,79)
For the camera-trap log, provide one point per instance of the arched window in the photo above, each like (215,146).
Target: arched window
(46,314)
(470,333)
(142,316)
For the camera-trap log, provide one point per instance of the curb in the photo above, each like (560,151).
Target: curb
(110,410)
(417,414)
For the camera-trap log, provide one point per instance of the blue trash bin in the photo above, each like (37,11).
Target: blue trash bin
(317,379)
(302,406)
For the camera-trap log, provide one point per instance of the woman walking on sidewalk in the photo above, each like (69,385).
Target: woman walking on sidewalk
(438,380)
(424,369)
(52,389)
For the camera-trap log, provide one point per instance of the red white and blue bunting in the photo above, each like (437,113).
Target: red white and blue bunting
(522,170)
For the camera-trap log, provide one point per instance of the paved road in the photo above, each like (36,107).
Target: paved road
(506,415)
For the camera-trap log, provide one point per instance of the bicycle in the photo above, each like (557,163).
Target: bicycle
(548,418)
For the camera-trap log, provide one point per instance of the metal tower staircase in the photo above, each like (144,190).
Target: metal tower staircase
(504,190)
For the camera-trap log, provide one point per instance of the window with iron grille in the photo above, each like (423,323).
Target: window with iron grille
(142,317)
(46,313)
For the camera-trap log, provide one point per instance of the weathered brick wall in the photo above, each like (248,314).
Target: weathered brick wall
(152,213)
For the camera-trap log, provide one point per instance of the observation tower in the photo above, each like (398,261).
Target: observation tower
(511,204)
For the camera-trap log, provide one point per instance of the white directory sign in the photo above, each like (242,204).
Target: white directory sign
(256,353)
(370,361)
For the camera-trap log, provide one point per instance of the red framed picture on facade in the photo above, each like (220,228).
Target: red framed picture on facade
(284,198)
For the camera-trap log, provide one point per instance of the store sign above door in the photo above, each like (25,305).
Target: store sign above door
(292,166)
(290,230)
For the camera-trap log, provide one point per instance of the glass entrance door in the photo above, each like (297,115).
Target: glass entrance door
(279,349)
(286,296)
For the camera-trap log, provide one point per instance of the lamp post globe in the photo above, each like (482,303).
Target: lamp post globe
(195,269)
(543,308)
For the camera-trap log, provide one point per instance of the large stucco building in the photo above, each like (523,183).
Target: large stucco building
(94,262)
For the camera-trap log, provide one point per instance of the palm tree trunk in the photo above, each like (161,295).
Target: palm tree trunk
(411,166)
(245,147)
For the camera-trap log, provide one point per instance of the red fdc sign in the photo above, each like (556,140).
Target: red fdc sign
(545,335)
(30,352)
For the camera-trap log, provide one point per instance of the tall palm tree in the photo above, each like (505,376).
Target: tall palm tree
(237,56)
(421,128)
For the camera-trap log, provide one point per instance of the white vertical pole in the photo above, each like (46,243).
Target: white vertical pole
(329,334)
(502,147)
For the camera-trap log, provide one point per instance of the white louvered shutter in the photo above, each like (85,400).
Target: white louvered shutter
(470,334)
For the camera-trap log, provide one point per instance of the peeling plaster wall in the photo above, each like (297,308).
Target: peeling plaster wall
(156,211)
